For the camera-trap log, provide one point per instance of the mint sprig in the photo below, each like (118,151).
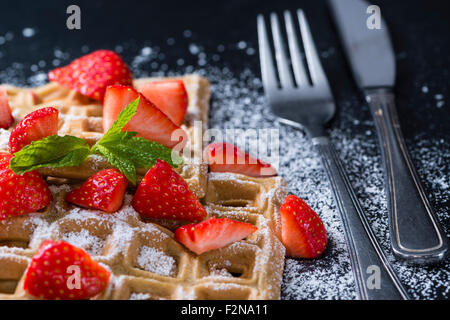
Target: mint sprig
(52,151)
(122,149)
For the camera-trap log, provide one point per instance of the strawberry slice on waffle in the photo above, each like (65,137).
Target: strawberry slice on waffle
(212,234)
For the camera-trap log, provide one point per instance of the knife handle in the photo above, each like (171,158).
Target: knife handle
(374,277)
(414,228)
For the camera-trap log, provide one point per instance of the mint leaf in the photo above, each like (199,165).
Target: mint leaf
(52,151)
(145,153)
(123,149)
(125,115)
(120,161)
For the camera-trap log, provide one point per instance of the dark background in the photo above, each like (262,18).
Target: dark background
(420,27)
(419,30)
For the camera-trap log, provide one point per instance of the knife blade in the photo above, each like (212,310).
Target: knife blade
(415,232)
(369,51)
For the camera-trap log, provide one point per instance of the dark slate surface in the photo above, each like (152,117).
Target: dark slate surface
(419,30)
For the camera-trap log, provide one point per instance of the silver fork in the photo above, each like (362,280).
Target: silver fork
(311,105)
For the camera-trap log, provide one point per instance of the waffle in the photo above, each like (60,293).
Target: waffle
(144,259)
(81,116)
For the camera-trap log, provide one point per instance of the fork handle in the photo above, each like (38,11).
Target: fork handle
(414,228)
(374,277)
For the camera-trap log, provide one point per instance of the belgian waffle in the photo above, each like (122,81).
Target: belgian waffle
(144,259)
(82,117)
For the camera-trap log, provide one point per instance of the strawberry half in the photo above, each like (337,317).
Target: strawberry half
(34,126)
(302,232)
(92,73)
(163,194)
(61,271)
(169,96)
(104,191)
(6,118)
(212,234)
(150,122)
(20,194)
(225,157)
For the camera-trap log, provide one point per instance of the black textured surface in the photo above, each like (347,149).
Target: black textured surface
(419,30)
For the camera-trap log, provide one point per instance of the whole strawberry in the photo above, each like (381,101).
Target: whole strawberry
(20,194)
(302,231)
(61,271)
(34,126)
(104,191)
(163,194)
(92,73)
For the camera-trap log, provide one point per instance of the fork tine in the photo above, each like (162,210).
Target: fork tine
(315,68)
(265,56)
(296,56)
(280,53)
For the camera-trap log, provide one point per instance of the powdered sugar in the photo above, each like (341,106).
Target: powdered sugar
(83,239)
(156,261)
(139,296)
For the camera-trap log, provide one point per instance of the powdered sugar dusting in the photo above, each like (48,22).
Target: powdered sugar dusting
(83,239)
(139,296)
(156,261)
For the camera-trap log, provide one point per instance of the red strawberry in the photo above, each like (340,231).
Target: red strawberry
(163,194)
(61,271)
(225,157)
(169,96)
(92,73)
(212,234)
(104,191)
(20,194)
(150,122)
(6,118)
(302,231)
(34,126)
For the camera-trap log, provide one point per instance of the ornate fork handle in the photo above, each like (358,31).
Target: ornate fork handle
(374,277)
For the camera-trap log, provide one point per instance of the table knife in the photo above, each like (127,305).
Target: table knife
(415,233)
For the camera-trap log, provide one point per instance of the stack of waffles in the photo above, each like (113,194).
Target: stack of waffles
(144,259)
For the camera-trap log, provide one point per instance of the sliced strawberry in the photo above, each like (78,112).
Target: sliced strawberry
(6,118)
(163,194)
(225,157)
(20,194)
(169,96)
(150,122)
(34,126)
(61,271)
(92,73)
(302,232)
(212,234)
(104,191)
